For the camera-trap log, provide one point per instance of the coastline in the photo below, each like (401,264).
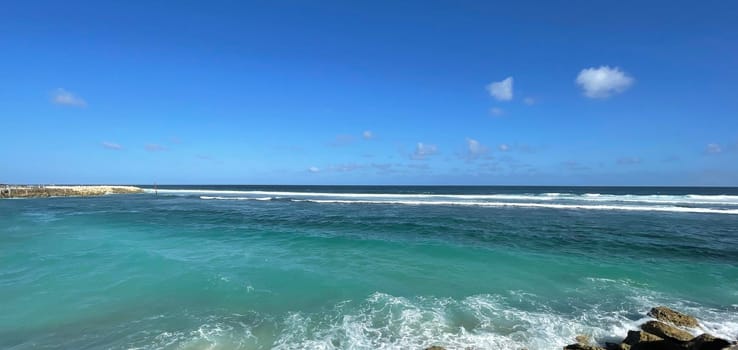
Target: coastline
(34,191)
(289,274)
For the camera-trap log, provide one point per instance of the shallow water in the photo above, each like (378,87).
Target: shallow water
(362,267)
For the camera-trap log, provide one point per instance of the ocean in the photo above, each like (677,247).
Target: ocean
(363,267)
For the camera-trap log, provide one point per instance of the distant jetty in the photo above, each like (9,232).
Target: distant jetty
(25,191)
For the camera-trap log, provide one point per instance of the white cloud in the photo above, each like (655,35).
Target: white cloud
(496,112)
(503,147)
(66,98)
(112,145)
(529,101)
(153,147)
(422,151)
(603,82)
(501,90)
(713,148)
(314,169)
(367,135)
(475,148)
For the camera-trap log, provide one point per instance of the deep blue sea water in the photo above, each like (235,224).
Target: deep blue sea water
(324,267)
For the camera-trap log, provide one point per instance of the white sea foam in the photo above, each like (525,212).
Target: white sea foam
(708,204)
(674,209)
(238,198)
(599,197)
(483,321)
(477,322)
(213,334)
(355,195)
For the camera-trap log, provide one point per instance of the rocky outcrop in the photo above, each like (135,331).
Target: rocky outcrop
(635,337)
(708,342)
(675,318)
(667,332)
(63,191)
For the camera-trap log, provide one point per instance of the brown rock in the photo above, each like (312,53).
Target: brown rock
(582,347)
(707,342)
(635,337)
(676,318)
(435,347)
(657,345)
(617,346)
(640,340)
(666,331)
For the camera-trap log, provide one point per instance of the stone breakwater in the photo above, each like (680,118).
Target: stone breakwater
(8,191)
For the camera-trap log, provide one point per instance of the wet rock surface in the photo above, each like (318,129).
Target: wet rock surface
(670,331)
(675,318)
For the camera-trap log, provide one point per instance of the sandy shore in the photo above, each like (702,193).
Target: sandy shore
(16,191)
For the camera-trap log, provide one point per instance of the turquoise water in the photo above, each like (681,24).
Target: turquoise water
(241,267)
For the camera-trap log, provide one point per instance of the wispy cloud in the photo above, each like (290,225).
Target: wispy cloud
(112,145)
(713,148)
(501,90)
(153,147)
(367,135)
(66,98)
(503,147)
(474,149)
(422,151)
(496,111)
(314,169)
(529,101)
(603,82)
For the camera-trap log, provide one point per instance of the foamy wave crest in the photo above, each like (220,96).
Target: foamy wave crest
(383,321)
(237,198)
(663,199)
(541,197)
(706,204)
(215,333)
(674,209)
(477,322)
(598,197)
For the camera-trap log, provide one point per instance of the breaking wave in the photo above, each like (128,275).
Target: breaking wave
(689,203)
(384,321)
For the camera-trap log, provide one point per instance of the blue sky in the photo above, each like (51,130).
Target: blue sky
(370,92)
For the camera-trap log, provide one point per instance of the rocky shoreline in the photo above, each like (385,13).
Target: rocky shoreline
(668,331)
(8,191)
